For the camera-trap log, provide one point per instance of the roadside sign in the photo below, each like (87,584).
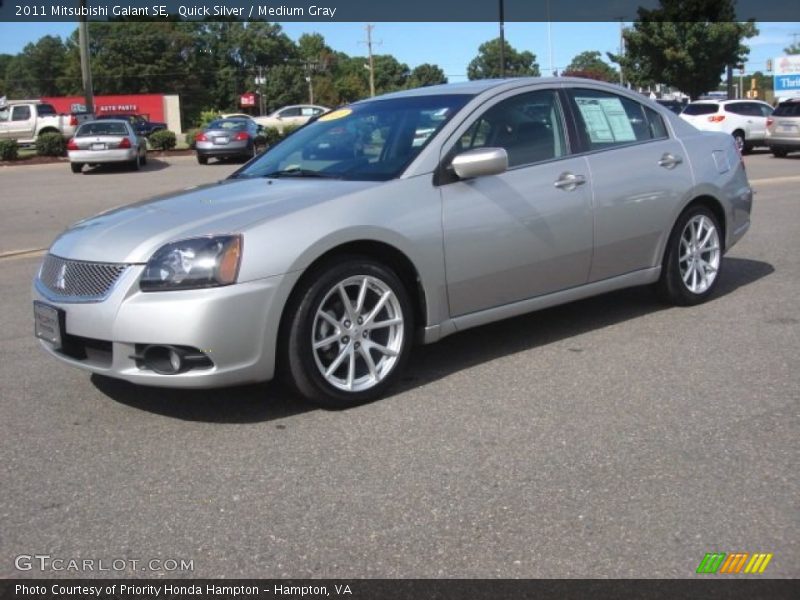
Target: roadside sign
(787,76)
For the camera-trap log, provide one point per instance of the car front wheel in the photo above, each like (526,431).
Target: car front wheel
(693,258)
(350,333)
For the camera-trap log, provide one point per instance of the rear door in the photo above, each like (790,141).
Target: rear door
(639,176)
(524,232)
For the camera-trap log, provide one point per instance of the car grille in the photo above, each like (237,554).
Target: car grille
(78,279)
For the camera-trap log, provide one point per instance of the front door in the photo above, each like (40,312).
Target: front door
(525,232)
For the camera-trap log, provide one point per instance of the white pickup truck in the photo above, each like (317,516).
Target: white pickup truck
(26,120)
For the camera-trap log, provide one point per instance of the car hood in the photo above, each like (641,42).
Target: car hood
(130,234)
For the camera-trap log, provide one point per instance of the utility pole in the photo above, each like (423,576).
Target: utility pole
(260,81)
(310,67)
(502,40)
(371,65)
(621,51)
(86,69)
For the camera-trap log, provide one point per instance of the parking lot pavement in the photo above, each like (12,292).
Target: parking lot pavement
(613,437)
(38,201)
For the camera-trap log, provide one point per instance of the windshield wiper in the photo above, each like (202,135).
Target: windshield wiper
(298,172)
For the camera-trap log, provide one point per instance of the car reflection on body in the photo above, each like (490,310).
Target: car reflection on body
(336,249)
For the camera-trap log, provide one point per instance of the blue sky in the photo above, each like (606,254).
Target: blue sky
(453,45)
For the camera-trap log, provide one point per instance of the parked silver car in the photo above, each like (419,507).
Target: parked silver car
(106,141)
(229,138)
(337,248)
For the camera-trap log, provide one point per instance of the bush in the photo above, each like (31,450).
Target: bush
(289,128)
(271,136)
(51,144)
(190,135)
(9,149)
(163,139)
(207,116)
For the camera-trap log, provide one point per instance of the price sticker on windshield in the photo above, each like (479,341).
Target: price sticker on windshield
(337,114)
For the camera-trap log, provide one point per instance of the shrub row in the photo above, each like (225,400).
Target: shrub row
(163,139)
(9,149)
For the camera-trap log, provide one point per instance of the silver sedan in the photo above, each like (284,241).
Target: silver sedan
(403,218)
(106,141)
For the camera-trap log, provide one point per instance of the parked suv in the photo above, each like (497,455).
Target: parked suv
(783,128)
(745,120)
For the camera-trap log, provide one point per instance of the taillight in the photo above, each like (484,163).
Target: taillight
(73,121)
(770,121)
(71,145)
(716,118)
(200,137)
(125,143)
(242,136)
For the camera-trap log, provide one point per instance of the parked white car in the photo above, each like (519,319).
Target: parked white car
(745,120)
(294,116)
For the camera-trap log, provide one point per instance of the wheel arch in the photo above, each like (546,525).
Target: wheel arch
(382,252)
(48,130)
(700,199)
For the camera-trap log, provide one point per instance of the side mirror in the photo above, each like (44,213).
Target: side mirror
(480,162)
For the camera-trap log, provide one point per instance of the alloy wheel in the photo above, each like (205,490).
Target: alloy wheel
(699,254)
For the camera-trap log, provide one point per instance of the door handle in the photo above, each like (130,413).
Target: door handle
(569,181)
(668,161)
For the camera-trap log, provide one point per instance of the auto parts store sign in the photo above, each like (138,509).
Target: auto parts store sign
(787,76)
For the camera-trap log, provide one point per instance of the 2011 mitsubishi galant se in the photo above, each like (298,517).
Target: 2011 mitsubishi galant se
(409,216)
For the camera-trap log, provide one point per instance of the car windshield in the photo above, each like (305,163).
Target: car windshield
(787,109)
(701,109)
(108,128)
(228,124)
(370,141)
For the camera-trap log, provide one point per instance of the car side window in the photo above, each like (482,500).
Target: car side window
(607,120)
(21,113)
(290,112)
(765,110)
(528,126)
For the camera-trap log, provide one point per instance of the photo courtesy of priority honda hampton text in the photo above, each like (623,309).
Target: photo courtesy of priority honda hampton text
(403,218)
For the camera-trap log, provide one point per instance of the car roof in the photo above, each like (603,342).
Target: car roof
(726,101)
(106,120)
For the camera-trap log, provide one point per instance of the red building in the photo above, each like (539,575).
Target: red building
(155,107)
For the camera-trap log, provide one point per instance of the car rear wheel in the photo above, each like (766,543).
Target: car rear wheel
(693,258)
(203,160)
(76,167)
(738,137)
(349,333)
(779,152)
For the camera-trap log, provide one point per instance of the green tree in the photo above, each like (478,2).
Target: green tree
(5,60)
(426,74)
(487,64)
(793,49)
(589,65)
(37,70)
(390,74)
(684,43)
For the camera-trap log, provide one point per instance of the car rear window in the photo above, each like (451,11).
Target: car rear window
(45,110)
(231,124)
(96,128)
(787,109)
(701,109)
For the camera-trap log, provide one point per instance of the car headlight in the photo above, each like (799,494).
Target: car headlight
(194,263)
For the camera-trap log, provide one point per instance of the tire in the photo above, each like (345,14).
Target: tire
(144,157)
(136,163)
(738,137)
(779,152)
(366,361)
(76,167)
(692,280)
(203,160)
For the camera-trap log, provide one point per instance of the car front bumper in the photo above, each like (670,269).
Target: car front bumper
(234,326)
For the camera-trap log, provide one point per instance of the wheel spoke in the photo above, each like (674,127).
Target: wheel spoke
(326,342)
(370,363)
(362,294)
(338,361)
(381,324)
(707,238)
(377,308)
(351,369)
(685,257)
(707,266)
(694,279)
(709,249)
(688,273)
(383,349)
(329,319)
(348,308)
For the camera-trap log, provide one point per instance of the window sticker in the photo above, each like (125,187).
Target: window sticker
(337,114)
(606,120)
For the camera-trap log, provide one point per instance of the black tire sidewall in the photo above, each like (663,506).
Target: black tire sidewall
(302,367)
(671,286)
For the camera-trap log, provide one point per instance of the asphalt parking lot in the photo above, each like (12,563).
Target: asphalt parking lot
(613,437)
